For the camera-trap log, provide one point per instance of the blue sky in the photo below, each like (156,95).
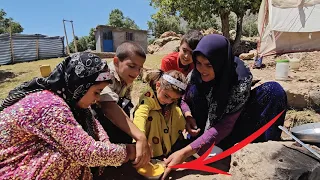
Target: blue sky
(45,17)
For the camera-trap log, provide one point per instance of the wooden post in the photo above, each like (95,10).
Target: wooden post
(11,44)
(37,47)
(65,32)
(74,38)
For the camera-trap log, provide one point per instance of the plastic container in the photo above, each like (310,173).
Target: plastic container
(294,64)
(282,69)
(294,61)
(45,70)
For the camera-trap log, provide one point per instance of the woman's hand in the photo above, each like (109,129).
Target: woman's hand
(176,158)
(143,152)
(191,126)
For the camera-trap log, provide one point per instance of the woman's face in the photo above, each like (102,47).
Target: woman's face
(92,95)
(205,68)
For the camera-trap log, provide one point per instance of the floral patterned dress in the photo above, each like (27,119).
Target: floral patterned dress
(40,139)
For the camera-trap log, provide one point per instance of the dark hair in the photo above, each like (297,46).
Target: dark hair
(128,49)
(192,38)
(154,76)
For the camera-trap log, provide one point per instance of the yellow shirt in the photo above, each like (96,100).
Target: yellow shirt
(161,130)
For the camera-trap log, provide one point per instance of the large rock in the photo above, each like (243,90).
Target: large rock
(274,160)
(260,161)
(169,33)
(246,56)
(153,48)
(233,33)
(315,97)
(169,47)
(211,31)
(161,42)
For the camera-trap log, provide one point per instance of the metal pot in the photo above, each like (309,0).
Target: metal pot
(309,133)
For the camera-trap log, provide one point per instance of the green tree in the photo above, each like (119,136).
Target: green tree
(82,44)
(193,10)
(200,24)
(117,19)
(6,22)
(250,26)
(240,8)
(162,22)
(91,40)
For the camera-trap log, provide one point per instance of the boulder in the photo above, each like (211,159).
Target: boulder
(274,160)
(233,33)
(169,47)
(211,31)
(168,34)
(153,48)
(162,41)
(246,56)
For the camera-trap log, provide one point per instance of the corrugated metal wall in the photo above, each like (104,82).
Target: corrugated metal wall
(30,47)
(5,54)
(50,47)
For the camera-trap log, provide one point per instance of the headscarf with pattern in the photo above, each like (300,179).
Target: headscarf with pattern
(70,80)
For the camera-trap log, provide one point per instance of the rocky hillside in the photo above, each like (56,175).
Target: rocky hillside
(169,42)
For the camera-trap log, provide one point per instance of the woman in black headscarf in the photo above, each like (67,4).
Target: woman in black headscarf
(47,129)
(220,106)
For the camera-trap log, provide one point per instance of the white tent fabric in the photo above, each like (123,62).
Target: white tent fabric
(288,26)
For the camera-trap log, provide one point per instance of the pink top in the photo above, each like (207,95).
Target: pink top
(40,139)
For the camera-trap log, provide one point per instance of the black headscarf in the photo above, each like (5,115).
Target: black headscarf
(70,80)
(229,90)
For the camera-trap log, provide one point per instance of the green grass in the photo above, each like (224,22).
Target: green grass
(22,72)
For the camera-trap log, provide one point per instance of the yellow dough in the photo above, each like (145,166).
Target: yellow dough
(150,171)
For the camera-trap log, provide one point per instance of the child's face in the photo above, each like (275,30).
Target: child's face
(92,95)
(205,68)
(185,54)
(129,69)
(166,96)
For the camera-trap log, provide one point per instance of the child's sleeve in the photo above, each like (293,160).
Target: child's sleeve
(142,113)
(184,102)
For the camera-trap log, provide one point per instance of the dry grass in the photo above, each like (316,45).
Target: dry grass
(296,118)
(13,75)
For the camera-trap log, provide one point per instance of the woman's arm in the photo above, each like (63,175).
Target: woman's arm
(217,133)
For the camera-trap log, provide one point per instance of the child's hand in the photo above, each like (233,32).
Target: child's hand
(131,152)
(143,153)
(192,127)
